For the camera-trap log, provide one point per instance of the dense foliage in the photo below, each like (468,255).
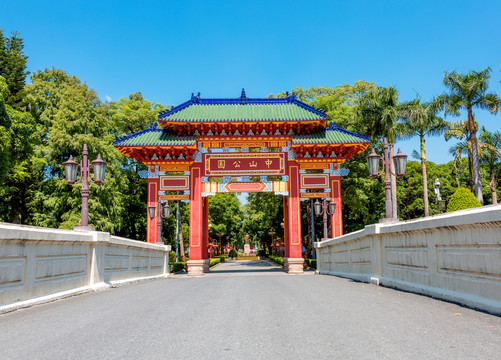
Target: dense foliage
(462,199)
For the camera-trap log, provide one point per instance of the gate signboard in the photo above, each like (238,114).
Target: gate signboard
(244,164)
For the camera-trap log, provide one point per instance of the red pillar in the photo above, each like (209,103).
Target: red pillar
(151,224)
(196,213)
(205,220)
(294,211)
(286,226)
(337,219)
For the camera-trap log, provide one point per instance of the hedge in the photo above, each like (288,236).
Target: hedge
(233,253)
(177,266)
(261,252)
(312,263)
(462,199)
(214,261)
(277,259)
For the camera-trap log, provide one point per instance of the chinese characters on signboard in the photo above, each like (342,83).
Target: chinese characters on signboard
(244,164)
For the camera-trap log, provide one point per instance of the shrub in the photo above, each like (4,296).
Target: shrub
(177,266)
(214,261)
(261,252)
(277,259)
(233,253)
(312,263)
(222,258)
(462,199)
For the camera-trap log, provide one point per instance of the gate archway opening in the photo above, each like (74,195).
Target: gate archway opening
(207,146)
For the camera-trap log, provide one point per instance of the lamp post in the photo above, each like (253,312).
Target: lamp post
(399,160)
(209,240)
(440,202)
(325,209)
(162,212)
(272,234)
(220,243)
(282,224)
(70,169)
(312,205)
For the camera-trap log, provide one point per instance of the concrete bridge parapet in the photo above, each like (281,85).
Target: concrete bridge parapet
(41,264)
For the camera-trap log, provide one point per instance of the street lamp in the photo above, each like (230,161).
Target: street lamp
(399,160)
(440,202)
(272,234)
(162,212)
(70,170)
(325,209)
(220,243)
(209,240)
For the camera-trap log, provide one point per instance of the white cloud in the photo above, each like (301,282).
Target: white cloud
(107,98)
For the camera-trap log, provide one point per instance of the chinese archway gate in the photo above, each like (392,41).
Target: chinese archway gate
(244,145)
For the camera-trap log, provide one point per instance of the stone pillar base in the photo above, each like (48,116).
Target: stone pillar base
(286,264)
(294,265)
(198,267)
(246,249)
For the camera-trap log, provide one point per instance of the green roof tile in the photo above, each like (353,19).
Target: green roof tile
(234,110)
(155,137)
(332,135)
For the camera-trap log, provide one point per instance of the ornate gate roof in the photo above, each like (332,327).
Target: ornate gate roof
(242,123)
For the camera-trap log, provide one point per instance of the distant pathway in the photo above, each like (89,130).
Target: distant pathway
(249,310)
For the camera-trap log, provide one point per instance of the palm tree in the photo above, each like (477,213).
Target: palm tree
(457,150)
(459,130)
(419,119)
(487,149)
(466,92)
(378,110)
(491,155)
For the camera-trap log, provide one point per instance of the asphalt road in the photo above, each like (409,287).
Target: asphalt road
(249,310)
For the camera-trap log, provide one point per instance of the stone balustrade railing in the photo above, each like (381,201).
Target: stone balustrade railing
(454,256)
(41,264)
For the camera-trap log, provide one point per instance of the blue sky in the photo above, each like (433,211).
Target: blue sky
(169,49)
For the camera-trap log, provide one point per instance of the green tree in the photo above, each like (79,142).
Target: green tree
(264,211)
(133,114)
(5,124)
(3,53)
(69,114)
(410,189)
(17,174)
(490,154)
(377,113)
(468,91)
(225,216)
(337,102)
(419,120)
(13,69)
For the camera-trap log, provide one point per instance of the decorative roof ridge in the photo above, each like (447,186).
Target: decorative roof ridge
(334,127)
(152,128)
(243,99)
